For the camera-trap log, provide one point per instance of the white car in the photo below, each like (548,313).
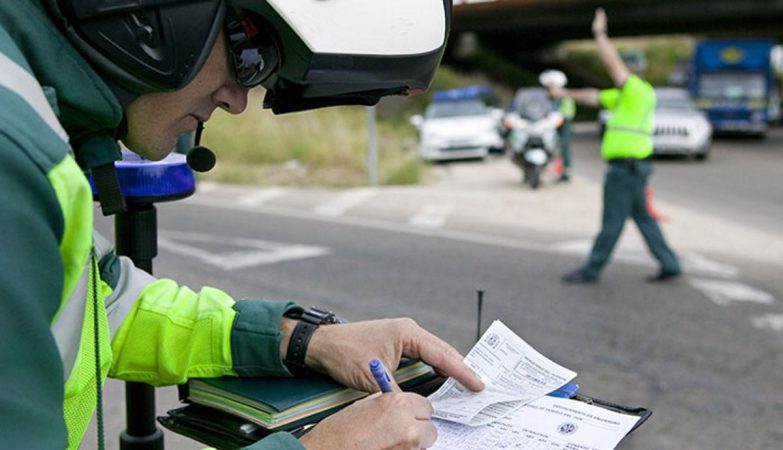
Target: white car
(679,127)
(458,129)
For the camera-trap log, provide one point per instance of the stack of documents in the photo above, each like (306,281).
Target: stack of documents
(286,403)
(514,410)
(547,423)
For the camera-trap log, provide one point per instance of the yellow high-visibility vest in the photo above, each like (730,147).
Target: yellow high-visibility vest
(629,130)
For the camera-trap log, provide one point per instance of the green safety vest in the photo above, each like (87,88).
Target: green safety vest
(567,108)
(629,130)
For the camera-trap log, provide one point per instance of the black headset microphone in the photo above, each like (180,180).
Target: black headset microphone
(200,158)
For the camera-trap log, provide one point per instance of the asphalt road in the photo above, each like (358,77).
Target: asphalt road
(740,179)
(709,372)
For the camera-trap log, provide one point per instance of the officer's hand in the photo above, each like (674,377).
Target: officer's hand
(381,421)
(599,22)
(344,352)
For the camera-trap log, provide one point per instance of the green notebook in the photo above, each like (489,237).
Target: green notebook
(284,403)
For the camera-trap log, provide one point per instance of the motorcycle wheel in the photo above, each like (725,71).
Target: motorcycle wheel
(535,177)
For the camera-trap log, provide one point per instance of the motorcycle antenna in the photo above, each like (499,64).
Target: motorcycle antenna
(480,295)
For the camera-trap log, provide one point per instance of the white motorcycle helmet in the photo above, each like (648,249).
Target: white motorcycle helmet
(307,53)
(553,78)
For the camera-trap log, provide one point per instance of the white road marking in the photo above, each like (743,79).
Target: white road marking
(697,263)
(634,252)
(772,322)
(462,236)
(579,246)
(723,292)
(629,252)
(432,216)
(260,196)
(250,252)
(203,187)
(345,201)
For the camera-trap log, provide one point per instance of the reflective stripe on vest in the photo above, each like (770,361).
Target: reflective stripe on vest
(67,327)
(19,81)
(80,387)
(628,130)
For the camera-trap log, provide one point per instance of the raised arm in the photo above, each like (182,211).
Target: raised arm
(606,50)
(586,96)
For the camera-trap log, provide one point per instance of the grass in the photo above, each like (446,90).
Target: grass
(321,147)
(326,147)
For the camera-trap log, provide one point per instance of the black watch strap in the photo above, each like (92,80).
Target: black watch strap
(300,338)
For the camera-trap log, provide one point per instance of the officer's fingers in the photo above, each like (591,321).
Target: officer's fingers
(419,406)
(442,356)
(428,433)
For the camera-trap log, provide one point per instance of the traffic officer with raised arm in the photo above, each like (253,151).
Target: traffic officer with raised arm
(76,76)
(627,147)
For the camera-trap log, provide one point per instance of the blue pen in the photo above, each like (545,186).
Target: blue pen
(566,391)
(381,376)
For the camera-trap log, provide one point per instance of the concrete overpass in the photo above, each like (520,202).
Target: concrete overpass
(511,40)
(510,25)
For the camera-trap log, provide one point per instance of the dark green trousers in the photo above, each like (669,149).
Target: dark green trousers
(624,196)
(564,133)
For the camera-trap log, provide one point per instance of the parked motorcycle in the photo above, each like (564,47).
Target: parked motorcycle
(532,124)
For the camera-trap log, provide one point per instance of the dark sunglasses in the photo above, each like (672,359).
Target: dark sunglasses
(254,55)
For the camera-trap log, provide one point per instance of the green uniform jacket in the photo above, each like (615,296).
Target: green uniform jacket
(58,280)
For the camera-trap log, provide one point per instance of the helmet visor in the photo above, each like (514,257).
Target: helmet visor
(253,53)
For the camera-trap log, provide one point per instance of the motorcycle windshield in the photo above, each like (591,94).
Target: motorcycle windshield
(532,104)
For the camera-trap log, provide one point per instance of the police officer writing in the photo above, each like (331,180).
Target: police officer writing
(77,76)
(627,147)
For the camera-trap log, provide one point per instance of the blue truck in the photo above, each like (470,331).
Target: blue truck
(733,82)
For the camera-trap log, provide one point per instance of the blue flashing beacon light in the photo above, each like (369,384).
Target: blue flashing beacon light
(144,181)
(463,93)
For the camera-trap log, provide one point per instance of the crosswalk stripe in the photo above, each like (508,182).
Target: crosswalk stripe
(724,292)
(237,253)
(772,322)
(261,196)
(204,187)
(345,201)
(432,216)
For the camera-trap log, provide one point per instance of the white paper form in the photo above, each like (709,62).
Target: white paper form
(514,374)
(548,423)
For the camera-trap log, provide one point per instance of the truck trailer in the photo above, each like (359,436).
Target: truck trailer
(733,82)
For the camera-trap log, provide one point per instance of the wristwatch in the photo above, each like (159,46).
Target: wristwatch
(307,323)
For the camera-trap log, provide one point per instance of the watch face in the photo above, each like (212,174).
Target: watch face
(319,316)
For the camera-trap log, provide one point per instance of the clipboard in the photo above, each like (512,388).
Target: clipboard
(227,432)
